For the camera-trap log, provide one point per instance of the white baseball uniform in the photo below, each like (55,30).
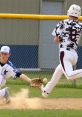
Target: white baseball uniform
(69,32)
(6,71)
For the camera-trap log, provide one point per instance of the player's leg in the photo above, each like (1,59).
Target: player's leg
(4,92)
(66,62)
(54,80)
(70,73)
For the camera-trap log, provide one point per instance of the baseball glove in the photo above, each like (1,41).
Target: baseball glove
(37,82)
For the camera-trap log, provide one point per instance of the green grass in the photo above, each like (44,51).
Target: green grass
(58,93)
(41,113)
(64,89)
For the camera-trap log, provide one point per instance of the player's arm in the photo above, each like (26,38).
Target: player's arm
(16,73)
(34,82)
(56,36)
(57,32)
(25,78)
(19,74)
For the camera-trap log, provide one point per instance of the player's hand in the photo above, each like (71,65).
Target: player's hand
(57,39)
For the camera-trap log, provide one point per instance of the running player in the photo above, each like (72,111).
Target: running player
(67,34)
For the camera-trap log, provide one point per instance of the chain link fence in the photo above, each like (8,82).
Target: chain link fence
(23,38)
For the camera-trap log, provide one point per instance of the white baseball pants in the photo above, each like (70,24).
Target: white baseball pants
(2,83)
(68,58)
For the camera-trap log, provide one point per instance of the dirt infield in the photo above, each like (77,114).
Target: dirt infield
(22,101)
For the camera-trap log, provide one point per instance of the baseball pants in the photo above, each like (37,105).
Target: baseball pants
(68,58)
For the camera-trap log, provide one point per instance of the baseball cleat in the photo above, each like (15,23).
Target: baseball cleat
(6,96)
(44,93)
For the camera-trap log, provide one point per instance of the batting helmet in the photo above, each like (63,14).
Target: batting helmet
(74,10)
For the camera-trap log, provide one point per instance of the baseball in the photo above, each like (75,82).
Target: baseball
(45,80)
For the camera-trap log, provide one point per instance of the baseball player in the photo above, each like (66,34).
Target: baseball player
(7,69)
(67,34)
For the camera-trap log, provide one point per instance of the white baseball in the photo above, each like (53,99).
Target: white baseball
(45,80)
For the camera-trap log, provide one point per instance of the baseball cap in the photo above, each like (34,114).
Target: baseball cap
(5,49)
